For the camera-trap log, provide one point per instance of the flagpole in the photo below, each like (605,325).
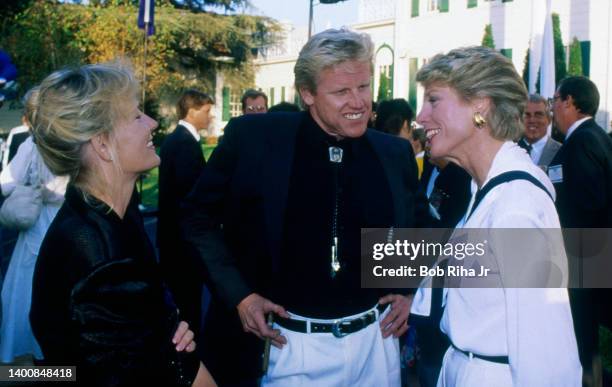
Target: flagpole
(144,65)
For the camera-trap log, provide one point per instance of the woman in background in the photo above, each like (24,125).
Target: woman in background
(98,300)
(26,168)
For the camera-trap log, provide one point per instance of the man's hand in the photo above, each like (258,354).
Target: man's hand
(252,311)
(396,321)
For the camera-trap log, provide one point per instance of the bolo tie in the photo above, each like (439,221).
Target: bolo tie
(335,157)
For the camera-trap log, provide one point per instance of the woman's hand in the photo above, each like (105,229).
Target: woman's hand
(183,338)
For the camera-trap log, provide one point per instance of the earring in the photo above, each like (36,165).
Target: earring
(479,120)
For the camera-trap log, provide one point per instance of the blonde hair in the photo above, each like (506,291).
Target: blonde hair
(480,72)
(71,106)
(327,49)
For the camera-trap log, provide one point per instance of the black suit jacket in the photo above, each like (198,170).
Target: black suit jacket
(244,189)
(182,162)
(584,200)
(234,220)
(452,187)
(584,197)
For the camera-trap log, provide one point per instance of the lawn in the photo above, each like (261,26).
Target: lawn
(148,185)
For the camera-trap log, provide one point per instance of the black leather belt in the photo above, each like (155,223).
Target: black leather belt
(494,359)
(339,328)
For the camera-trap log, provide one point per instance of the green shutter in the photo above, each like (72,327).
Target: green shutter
(507,52)
(225,115)
(412,84)
(415,8)
(283,94)
(585,45)
(472,3)
(391,77)
(443,5)
(506,1)
(271,97)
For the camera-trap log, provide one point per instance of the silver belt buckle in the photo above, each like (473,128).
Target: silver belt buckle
(337,332)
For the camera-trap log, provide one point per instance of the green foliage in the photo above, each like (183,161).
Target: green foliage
(526,72)
(560,66)
(203,5)
(575,58)
(187,50)
(384,91)
(487,39)
(526,64)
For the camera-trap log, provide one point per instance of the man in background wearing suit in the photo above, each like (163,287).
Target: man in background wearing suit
(276,217)
(182,161)
(540,146)
(582,174)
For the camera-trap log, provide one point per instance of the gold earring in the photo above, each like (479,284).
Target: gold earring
(479,120)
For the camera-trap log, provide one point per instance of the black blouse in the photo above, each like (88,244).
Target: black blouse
(98,300)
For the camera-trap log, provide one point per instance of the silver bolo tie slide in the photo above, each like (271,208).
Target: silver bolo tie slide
(335,156)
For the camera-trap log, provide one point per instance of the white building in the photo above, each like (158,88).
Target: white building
(408,32)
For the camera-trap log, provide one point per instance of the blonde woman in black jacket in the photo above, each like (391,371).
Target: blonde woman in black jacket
(98,299)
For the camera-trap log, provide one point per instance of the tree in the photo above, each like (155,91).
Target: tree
(560,66)
(575,58)
(526,63)
(487,39)
(203,5)
(48,35)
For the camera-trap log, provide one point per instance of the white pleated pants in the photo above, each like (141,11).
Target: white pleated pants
(361,359)
(459,369)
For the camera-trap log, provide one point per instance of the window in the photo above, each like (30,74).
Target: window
(235,104)
(415,8)
(283,94)
(437,5)
(231,104)
(271,97)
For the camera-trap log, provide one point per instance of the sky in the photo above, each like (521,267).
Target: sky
(296,12)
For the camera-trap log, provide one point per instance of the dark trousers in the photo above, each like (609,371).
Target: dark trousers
(432,343)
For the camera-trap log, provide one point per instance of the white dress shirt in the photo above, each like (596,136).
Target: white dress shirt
(191,129)
(532,326)
(576,125)
(537,148)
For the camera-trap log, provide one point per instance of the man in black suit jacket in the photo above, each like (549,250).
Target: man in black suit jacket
(276,219)
(182,162)
(582,174)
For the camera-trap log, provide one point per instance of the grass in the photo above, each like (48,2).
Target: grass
(150,190)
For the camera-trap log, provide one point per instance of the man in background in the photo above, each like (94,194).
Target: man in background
(536,141)
(182,161)
(254,102)
(582,175)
